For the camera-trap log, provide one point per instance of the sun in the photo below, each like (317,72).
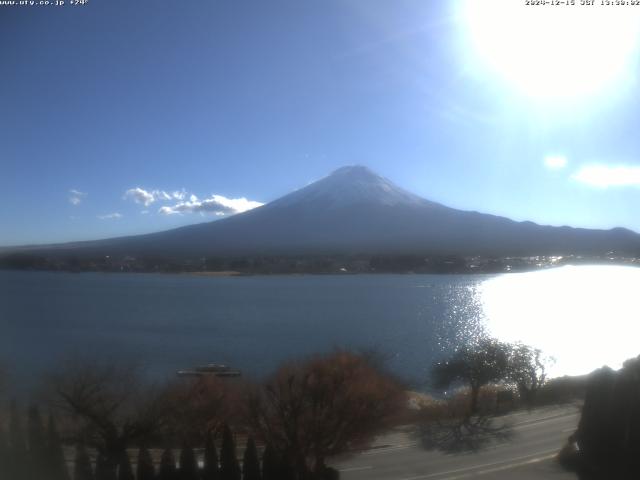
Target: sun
(555,52)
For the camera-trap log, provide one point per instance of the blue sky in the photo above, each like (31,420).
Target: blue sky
(122,117)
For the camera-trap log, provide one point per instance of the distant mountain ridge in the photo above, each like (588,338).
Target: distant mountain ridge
(355,211)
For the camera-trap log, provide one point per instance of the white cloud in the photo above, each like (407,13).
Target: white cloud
(140,195)
(110,216)
(238,205)
(604,176)
(555,162)
(76,197)
(216,204)
(190,203)
(147,197)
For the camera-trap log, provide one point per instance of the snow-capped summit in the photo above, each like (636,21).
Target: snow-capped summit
(354,184)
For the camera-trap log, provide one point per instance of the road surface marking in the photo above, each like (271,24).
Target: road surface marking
(392,448)
(469,470)
(508,467)
(531,425)
(544,419)
(355,469)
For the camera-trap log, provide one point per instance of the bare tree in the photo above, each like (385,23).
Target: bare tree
(323,407)
(474,365)
(527,370)
(110,406)
(200,406)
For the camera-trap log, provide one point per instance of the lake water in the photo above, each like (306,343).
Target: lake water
(583,316)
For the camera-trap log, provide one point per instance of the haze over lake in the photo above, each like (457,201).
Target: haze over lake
(583,316)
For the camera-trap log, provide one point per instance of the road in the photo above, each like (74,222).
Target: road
(527,455)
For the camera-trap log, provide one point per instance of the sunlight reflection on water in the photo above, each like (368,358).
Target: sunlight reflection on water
(585,317)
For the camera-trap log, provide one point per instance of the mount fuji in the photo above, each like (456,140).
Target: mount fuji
(355,211)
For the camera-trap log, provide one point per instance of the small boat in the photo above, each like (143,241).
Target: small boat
(213,369)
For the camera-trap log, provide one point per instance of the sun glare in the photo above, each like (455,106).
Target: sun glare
(584,317)
(555,162)
(554,52)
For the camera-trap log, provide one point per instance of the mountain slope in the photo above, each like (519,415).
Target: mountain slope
(355,211)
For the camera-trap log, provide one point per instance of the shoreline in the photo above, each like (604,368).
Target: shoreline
(221,273)
(237,273)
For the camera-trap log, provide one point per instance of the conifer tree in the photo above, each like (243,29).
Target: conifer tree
(82,465)
(211,470)
(285,468)
(229,467)
(270,464)
(18,462)
(37,444)
(4,454)
(16,434)
(250,462)
(100,468)
(167,466)
(56,462)
(105,470)
(145,469)
(125,472)
(188,464)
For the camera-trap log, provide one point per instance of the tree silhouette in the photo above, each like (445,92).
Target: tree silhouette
(229,467)
(18,462)
(474,365)
(82,465)
(4,455)
(608,434)
(287,470)
(270,464)
(211,470)
(188,464)
(55,453)
(105,469)
(145,469)
(250,462)
(527,369)
(39,466)
(125,472)
(113,407)
(167,466)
